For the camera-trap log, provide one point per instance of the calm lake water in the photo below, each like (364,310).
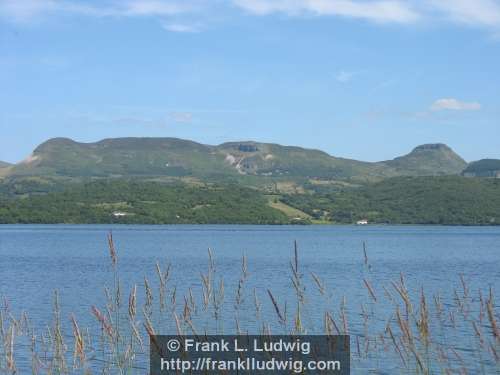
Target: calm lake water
(38,259)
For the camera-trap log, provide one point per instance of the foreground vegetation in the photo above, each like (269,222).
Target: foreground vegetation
(395,329)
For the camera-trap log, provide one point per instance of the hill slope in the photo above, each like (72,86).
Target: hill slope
(451,200)
(121,157)
(4,169)
(483,168)
(124,201)
(176,157)
(268,159)
(400,200)
(428,160)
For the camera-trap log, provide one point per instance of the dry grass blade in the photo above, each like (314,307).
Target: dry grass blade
(493,323)
(370,289)
(104,322)
(296,256)
(396,346)
(365,254)
(276,307)
(178,324)
(137,335)
(329,323)
(10,350)
(318,283)
(112,250)
(79,351)
(256,303)
(132,303)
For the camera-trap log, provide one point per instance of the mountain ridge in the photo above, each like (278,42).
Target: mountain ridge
(175,157)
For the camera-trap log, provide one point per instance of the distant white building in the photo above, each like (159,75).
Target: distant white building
(119,214)
(362,222)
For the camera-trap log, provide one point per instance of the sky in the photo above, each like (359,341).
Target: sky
(368,80)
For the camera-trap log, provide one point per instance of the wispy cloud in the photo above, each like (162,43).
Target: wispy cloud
(157,7)
(344,76)
(24,10)
(453,104)
(485,13)
(382,11)
(28,10)
(181,117)
(181,27)
(476,13)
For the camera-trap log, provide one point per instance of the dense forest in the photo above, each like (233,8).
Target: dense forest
(451,200)
(125,201)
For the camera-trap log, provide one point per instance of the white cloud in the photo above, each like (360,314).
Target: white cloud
(477,13)
(381,11)
(181,28)
(377,11)
(454,105)
(484,13)
(157,7)
(24,10)
(28,10)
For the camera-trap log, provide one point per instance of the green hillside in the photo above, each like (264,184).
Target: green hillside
(483,168)
(121,201)
(267,159)
(428,160)
(450,200)
(3,164)
(408,200)
(123,157)
(171,157)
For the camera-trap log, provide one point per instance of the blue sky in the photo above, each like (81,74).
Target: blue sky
(361,79)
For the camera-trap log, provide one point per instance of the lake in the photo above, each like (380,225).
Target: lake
(455,267)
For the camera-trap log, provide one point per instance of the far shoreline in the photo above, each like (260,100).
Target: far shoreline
(254,225)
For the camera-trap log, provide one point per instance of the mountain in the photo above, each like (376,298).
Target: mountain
(428,160)
(122,157)
(3,164)
(177,158)
(273,160)
(483,168)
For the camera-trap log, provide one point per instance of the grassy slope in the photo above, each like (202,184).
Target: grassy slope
(291,212)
